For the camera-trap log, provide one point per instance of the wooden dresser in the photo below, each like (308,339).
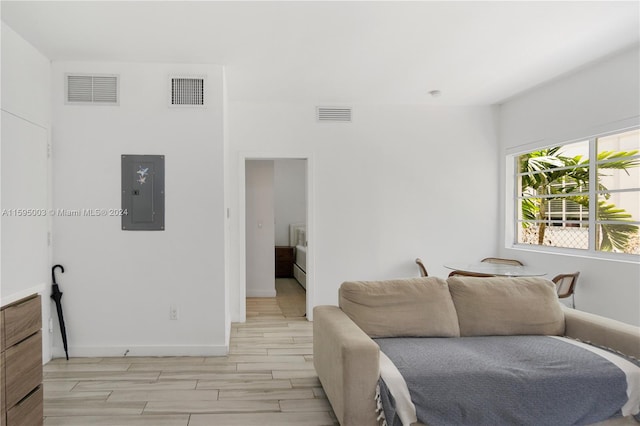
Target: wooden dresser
(21,363)
(284,261)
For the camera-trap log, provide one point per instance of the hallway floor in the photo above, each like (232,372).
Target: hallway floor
(291,298)
(267,379)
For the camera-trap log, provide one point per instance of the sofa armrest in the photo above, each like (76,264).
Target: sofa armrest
(603,331)
(347,362)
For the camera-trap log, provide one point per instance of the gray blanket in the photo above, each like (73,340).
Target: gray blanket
(503,380)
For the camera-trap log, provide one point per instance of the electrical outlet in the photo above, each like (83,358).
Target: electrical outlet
(50,325)
(173,312)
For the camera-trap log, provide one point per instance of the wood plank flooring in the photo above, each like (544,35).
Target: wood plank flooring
(291,298)
(267,379)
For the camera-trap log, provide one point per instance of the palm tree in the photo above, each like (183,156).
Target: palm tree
(548,172)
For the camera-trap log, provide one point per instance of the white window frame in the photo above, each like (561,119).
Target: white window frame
(512,197)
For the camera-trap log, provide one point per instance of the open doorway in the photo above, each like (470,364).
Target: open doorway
(276,243)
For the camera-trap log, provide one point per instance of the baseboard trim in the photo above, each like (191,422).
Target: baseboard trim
(159,351)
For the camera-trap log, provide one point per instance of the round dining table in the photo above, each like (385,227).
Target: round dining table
(497,269)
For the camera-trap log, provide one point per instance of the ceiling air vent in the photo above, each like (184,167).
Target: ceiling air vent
(92,89)
(187,91)
(334,114)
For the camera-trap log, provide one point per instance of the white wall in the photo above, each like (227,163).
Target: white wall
(387,188)
(118,284)
(604,96)
(26,126)
(290,187)
(227,203)
(259,234)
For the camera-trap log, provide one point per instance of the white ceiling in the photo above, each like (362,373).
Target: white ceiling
(476,53)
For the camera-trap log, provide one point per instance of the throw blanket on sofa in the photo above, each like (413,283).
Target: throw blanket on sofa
(504,380)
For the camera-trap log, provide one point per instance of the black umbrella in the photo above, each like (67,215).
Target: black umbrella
(56,295)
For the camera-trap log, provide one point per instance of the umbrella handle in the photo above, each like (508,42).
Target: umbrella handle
(53,272)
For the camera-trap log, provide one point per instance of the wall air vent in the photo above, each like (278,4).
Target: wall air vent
(187,91)
(334,114)
(92,89)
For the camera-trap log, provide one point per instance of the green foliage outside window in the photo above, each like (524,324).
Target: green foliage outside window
(549,177)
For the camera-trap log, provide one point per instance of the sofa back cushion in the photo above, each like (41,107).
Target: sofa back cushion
(506,306)
(408,307)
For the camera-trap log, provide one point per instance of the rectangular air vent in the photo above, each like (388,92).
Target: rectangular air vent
(187,91)
(334,114)
(96,89)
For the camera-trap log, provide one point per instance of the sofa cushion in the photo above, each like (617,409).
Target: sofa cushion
(506,306)
(409,307)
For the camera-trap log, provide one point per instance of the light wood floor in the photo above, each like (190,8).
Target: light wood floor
(267,379)
(291,298)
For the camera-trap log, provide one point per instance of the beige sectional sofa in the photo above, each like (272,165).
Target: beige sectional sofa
(347,359)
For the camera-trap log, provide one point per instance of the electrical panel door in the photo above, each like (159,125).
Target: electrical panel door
(143,192)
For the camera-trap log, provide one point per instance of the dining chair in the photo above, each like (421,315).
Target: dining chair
(566,286)
(423,270)
(502,261)
(456,273)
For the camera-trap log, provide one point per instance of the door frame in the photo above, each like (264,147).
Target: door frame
(310,233)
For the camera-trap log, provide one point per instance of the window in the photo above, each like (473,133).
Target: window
(562,201)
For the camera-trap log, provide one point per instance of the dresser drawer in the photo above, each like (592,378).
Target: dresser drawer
(284,253)
(1,331)
(21,320)
(3,393)
(28,412)
(23,368)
